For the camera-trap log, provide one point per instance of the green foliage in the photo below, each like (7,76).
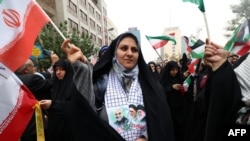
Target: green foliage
(50,39)
(242,13)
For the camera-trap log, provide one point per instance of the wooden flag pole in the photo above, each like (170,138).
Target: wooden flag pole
(159,55)
(205,19)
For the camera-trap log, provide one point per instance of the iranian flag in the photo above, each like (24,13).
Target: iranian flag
(200,4)
(239,43)
(161,41)
(20,23)
(16,105)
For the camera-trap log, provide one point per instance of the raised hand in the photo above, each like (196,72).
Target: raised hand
(215,55)
(73,53)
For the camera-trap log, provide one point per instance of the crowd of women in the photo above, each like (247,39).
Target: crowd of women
(121,98)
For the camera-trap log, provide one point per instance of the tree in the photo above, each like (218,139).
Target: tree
(50,39)
(242,13)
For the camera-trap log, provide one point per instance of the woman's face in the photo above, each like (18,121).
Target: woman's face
(127,53)
(173,72)
(60,72)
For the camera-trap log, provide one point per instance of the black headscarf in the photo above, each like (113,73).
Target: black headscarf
(166,78)
(61,88)
(159,122)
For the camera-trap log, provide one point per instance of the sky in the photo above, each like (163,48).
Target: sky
(151,17)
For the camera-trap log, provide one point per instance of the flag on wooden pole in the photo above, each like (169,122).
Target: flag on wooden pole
(20,23)
(161,41)
(200,4)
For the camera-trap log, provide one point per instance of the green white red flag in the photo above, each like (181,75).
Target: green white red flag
(161,41)
(16,105)
(20,23)
(200,4)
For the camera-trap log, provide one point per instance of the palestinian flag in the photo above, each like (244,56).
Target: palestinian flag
(187,82)
(198,49)
(239,43)
(193,65)
(187,42)
(161,41)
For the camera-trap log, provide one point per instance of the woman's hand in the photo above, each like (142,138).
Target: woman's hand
(73,53)
(215,55)
(45,104)
(177,87)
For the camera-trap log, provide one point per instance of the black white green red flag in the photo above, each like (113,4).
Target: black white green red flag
(239,43)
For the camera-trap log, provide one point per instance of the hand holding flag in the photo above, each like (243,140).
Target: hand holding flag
(20,21)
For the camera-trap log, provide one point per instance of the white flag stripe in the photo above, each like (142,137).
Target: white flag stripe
(200,49)
(11,34)
(10,96)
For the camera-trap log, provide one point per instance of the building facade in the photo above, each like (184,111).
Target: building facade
(88,16)
(171,51)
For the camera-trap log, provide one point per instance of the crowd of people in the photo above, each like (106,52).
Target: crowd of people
(122,97)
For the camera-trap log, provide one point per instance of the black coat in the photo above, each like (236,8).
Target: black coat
(215,108)
(159,122)
(40,88)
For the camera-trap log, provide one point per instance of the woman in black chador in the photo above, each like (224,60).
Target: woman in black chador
(58,107)
(179,102)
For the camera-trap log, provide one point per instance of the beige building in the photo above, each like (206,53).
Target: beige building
(171,51)
(89,16)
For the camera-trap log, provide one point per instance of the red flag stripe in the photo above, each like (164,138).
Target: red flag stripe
(160,44)
(23,47)
(20,116)
(244,49)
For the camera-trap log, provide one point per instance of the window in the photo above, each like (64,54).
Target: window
(85,31)
(98,16)
(93,37)
(83,3)
(91,9)
(72,8)
(84,17)
(92,23)
(73,25)
(99,29)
